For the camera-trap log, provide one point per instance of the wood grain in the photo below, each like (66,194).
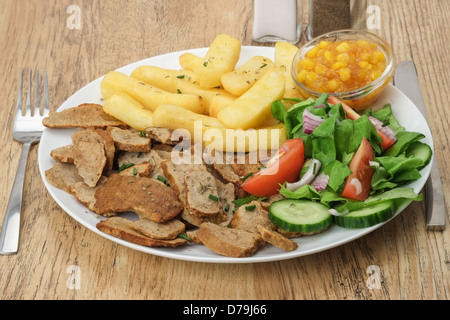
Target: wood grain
(412,263)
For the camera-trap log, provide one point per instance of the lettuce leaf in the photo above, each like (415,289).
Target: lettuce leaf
(305,192)
(341,204)
(404,140)
(386,116)
(337,171)
(394,194)
(323,141)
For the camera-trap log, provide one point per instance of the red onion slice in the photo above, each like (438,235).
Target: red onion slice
(320,182)
(310,121)
(307,178)
(382,128)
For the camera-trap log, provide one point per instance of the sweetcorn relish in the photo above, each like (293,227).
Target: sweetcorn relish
(341,66)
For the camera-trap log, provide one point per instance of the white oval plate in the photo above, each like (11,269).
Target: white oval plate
(405,111)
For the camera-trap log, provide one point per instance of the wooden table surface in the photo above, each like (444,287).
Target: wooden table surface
(410,262)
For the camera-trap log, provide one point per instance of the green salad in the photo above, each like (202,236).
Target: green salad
(332,142)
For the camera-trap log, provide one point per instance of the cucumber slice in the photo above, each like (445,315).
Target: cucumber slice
(368,216)
(421,151)
(300,216)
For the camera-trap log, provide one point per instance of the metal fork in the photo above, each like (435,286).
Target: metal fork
(27,129)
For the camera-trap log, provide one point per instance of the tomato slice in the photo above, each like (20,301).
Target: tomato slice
(357,185)
(386,142)
(353,115)
(283,167)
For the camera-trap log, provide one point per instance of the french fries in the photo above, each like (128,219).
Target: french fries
(209,95)
(191,62)
(254,107)
(229,140)
(178,82)
(163,78)
(206,94)
(124,108)
(149,96)
(243,78)
(284,54)
(218,103)
(214,135)
(175,118)
(221,58)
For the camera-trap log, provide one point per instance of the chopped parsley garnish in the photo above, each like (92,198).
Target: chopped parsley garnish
(125,166)
(183,236)
(213,197)
(247,176)
(163,180)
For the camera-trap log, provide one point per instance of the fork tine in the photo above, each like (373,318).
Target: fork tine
(19,95)
(36,94)
(46,110)
(28,103)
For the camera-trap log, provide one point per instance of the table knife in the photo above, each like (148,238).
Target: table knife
(406,80)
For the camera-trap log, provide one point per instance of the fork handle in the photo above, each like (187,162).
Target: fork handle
(9,237)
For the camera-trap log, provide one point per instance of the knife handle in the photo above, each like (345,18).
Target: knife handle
(435,205)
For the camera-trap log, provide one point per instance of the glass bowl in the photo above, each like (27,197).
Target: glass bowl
(358,99)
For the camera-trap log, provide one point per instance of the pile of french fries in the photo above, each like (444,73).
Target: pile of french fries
(209,90)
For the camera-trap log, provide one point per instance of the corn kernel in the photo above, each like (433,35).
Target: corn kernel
(311,77)
(307,64)
(343,57)
(333,85)
(363,43)
(339,65)
(320,69)
(343,47)
(376,74)
(328,56)
(344,74)
(313,52)
(302,76)
(365,65)
(376,57)
(324,44)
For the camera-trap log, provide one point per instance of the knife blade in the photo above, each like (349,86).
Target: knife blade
(406,80)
